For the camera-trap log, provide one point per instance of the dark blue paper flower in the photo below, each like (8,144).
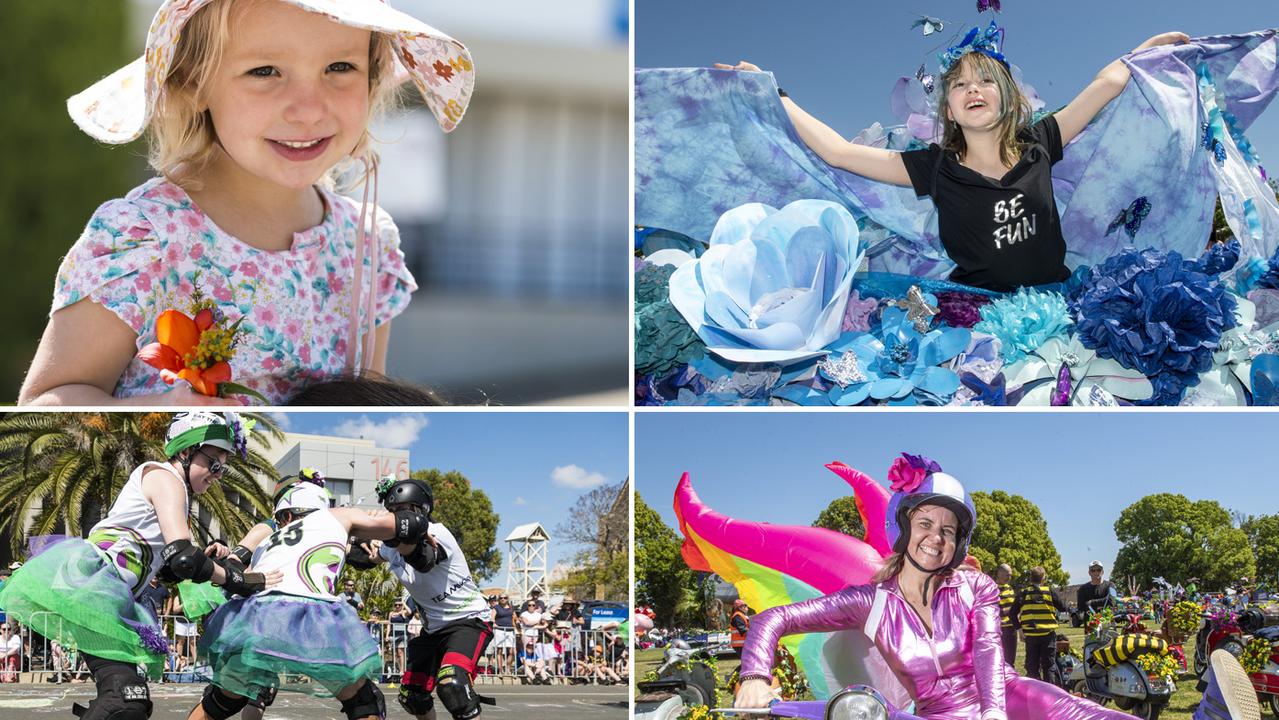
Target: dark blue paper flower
(1157,313)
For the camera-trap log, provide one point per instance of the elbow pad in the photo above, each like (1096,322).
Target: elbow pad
(409,526)
(425,556)
(184,561)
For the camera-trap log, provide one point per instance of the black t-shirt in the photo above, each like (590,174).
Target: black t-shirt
(1005,233)
(1088,592)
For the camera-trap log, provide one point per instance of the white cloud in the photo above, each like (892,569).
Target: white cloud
(396,431)
(521,501)
(282,419)
(572,476)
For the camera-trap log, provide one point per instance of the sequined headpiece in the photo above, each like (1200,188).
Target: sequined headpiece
(988,42)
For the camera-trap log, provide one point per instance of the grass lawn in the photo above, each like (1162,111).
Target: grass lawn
(1180,707)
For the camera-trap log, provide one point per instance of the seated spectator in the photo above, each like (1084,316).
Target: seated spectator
(603,670)
(10,652)
(534,665)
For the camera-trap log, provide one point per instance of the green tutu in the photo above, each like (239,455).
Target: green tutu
(250,642)
(199,599)
(72,593)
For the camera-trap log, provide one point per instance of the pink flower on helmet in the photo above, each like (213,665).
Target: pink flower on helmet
(904,476)
(909,471)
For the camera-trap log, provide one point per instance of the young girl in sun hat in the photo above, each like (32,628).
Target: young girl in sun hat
(251,106)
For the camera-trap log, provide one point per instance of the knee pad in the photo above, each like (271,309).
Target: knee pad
(220,705)
(453,685)
(416,700)
(366,701)
(122,695)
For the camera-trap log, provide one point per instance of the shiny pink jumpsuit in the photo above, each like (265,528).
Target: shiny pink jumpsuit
(957,673)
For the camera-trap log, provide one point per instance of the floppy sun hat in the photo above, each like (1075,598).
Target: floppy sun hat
(118,108)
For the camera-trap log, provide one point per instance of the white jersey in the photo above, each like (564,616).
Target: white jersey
(309,552)
(130,534)
(447,592)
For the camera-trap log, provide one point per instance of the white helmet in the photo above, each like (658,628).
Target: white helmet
(304,496)
(201,427)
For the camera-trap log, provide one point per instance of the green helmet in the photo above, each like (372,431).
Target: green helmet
(198,428)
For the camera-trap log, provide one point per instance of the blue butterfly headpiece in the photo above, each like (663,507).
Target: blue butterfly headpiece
(988,42)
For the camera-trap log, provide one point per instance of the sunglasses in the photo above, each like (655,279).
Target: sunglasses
(216,466)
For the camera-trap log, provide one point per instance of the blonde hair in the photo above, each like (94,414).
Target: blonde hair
(182,138)
(1014,108)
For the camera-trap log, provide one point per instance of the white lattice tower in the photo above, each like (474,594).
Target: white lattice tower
(526,561)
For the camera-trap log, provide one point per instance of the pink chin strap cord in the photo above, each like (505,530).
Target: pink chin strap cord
(366,243)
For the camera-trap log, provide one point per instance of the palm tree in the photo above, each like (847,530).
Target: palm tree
(73,465)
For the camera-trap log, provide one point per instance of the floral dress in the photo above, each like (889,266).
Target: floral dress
(146,253)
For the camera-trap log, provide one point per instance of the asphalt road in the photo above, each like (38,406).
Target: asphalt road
(174,702)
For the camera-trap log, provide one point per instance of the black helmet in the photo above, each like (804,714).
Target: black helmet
(392,491)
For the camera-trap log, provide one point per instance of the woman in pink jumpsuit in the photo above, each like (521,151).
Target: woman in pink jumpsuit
(943,647)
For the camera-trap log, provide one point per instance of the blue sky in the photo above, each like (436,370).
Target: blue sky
(840,59)
(533,466)
(1081,469)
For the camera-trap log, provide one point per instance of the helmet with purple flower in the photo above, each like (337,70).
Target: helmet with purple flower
(223,430)
(917,481)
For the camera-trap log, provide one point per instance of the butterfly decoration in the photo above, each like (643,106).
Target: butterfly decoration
(1130,217)
(918,311)
(928,81)
(929,24)
(992,394)
(984,5)
(1212,144)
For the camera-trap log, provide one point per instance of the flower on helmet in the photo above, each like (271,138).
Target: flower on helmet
(909,471)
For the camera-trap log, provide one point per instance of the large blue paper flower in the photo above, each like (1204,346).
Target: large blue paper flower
(900,366)
(1157,313)
(1024,321)
(773,285)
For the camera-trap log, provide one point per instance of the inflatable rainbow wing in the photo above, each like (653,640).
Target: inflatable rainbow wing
(774,565)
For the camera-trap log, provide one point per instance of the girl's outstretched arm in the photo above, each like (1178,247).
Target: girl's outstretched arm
(1073,118)
(84,350)
(870,162)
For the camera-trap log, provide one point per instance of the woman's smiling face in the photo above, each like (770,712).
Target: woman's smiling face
(933,533)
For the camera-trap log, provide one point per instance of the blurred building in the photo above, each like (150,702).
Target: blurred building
(516,223)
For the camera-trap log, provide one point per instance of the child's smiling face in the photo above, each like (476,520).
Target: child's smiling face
(291,96)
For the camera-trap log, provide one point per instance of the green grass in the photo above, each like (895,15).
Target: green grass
(1180,707)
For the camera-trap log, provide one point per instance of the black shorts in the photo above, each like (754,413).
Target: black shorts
(460,643)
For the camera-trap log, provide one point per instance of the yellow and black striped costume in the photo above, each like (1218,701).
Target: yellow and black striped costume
(1126,646)
(1006,597)
(1038,615)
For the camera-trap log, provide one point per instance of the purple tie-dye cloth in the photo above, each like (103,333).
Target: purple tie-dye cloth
(710,140)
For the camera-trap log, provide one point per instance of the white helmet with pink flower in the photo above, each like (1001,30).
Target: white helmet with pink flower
(917,480)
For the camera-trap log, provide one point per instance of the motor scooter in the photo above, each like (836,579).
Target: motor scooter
(1132,689)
